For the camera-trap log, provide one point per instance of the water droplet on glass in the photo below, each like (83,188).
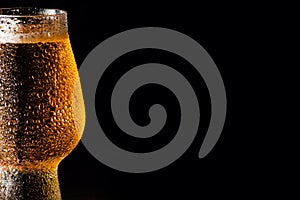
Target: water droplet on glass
(36,54)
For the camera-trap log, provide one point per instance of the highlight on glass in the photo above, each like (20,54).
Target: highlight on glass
(42,111)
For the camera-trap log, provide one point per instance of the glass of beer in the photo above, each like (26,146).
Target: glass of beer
(42,112)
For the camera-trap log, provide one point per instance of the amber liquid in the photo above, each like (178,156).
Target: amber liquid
(41,109)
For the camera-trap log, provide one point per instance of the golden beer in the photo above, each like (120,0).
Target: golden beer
(41,106)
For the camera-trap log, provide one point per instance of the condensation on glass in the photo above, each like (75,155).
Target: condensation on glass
(41,105)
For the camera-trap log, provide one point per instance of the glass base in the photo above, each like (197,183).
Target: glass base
(29,184)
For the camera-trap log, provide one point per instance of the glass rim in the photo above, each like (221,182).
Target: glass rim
(20,12)
(30,24)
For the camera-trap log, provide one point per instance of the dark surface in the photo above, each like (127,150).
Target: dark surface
(241,164)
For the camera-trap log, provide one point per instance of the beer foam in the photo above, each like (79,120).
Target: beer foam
(31,25)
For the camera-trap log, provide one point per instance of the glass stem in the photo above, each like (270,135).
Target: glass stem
(29,184)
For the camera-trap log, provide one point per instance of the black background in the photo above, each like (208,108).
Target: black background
(242,164)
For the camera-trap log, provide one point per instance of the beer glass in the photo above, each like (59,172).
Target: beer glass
(41,105)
